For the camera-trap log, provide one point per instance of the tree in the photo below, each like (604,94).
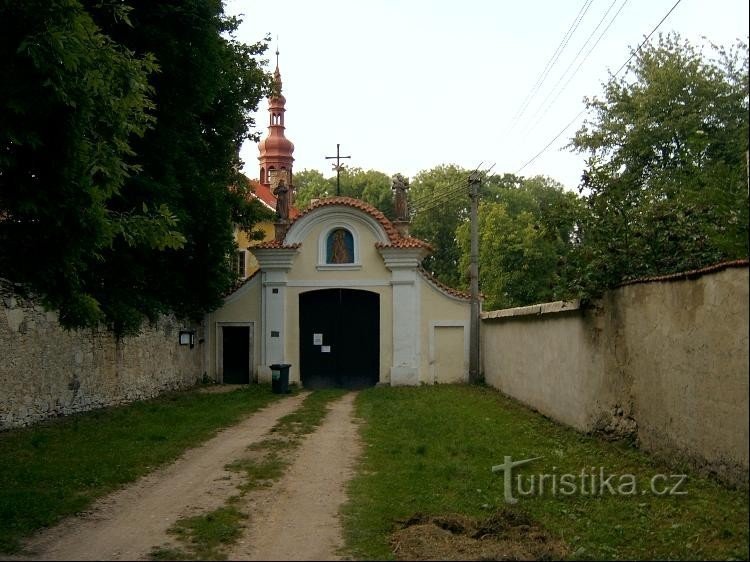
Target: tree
(368,185)
(309,185)
(204,94)
(527,231)
(72,101)
(440,204)
(147,209)
(666,181)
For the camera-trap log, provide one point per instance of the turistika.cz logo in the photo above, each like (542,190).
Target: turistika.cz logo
(590,481)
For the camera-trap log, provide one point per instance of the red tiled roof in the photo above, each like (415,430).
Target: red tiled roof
(689,274)
(387,225)
(443,287)
(275,244)
(407,242)
(263,193)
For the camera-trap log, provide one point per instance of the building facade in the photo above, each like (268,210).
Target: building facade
(336,291)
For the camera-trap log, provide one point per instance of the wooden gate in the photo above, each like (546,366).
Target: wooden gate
(339,338)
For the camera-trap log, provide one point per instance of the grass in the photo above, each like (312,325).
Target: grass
(58,468)
(206,536)
(431,450)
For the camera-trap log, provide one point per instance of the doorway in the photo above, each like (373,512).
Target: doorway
(339,338)
(235,354)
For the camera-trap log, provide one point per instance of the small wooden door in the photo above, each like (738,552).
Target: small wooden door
(236,354)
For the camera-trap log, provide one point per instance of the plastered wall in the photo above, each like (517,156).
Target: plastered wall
(665,362)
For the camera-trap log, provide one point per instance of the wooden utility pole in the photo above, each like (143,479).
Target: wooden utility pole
(474,375)
(337,167)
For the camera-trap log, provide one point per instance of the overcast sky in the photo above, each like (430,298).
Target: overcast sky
(405,85)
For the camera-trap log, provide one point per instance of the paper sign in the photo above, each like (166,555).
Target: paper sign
(317,339)
(325,349)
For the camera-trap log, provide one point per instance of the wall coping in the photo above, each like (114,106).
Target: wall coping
(533,310)
(692,274)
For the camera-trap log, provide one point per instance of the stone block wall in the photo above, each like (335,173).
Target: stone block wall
(46,371)
(664,361)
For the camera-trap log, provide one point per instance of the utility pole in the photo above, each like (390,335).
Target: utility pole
(337,167)
(474,377)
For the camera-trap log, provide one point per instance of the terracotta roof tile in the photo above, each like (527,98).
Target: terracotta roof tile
(263,193)
(442,286)
(407,242)
(274,244)
(689,274)
(387,225)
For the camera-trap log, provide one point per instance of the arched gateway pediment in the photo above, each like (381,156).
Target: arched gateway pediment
(344,211)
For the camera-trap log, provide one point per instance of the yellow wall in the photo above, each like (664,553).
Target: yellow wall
(442,312)
(243,242)
(243,306)
(306,263)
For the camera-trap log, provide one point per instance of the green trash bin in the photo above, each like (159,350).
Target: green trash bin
(280,378)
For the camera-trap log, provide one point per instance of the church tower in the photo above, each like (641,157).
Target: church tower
(276,150)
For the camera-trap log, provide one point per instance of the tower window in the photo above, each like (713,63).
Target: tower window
(340,247)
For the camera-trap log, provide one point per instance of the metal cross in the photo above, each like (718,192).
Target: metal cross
(337,167)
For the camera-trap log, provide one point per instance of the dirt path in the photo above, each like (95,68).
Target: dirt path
(298,518)
(128,523)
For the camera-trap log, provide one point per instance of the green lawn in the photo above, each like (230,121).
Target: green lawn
(59,468)
(431,449)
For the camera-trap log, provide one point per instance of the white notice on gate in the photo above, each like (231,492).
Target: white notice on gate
(317,339)
(325,349)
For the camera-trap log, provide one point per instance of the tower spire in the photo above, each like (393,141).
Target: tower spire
(275,149)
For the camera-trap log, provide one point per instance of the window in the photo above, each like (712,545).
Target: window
(239,264)
(340,247)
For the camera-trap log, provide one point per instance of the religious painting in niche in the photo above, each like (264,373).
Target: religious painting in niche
(340,246)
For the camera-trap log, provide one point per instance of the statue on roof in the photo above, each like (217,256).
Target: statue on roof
(399,185)
(282,200)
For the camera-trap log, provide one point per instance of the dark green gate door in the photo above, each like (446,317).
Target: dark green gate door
(339,338)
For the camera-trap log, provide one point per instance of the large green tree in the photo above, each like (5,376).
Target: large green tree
(368,185)
(205,91)
(440,203)
(72,102)
(122,144)
(527,232)
(666,176)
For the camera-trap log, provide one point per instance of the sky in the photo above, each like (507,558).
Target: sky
(406,85)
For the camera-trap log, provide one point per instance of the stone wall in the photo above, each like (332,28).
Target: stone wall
(664,361)
(46,371)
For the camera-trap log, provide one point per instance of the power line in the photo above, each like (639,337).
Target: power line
(538,154)
(429,196)
(444,197)
(586,56)
(647,38)
(448,194)
(553,60)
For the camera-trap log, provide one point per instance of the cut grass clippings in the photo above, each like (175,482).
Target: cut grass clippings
(207,536)
(429,452)
(58,468)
